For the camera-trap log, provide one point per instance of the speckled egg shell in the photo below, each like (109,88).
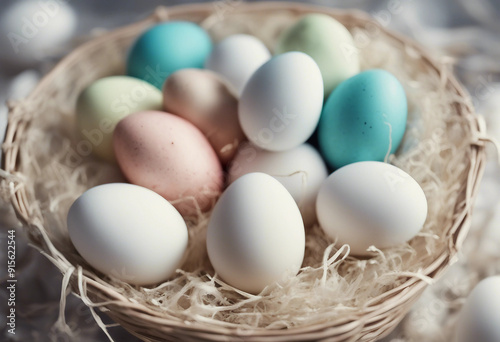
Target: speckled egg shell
(170,156)
(363,119)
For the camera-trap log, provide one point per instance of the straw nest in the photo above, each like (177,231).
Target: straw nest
(335,297)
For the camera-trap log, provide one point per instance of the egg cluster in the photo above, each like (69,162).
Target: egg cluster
(233,130)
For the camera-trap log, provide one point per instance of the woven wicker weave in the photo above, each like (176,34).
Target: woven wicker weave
(368,324)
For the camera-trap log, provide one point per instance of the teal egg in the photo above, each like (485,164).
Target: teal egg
(363,118)
(166,48)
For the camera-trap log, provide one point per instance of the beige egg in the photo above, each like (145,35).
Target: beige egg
(170,156)
(202,98)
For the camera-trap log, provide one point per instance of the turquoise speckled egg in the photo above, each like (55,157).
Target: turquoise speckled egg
(363,118)
(166,48)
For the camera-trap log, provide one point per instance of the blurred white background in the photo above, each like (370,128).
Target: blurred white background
(468,31)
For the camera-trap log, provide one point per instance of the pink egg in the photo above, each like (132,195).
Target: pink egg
(170,156)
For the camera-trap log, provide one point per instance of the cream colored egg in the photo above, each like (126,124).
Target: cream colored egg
(202,98)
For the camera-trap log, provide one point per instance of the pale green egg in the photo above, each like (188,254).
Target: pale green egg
(328,42)
(105,102)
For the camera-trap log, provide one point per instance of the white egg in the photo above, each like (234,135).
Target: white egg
(19,87)
(371,203)
(236,58)
(281,104)
(480,317)
(128,232)
(255,236)
(32,29)
(301,171)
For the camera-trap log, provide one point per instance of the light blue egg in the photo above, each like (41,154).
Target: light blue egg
(166,48)
(362,117)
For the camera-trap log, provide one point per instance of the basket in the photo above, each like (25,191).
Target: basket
(40,129)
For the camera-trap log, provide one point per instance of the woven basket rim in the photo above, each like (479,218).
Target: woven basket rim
(407,292)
